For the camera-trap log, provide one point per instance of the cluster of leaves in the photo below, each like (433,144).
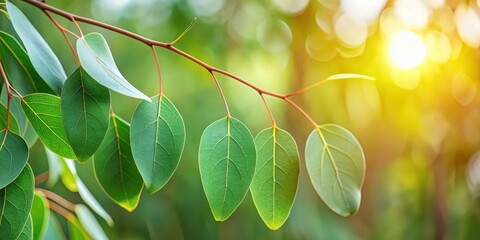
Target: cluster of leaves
(80,125)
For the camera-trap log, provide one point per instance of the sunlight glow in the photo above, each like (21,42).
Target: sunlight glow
(407,50)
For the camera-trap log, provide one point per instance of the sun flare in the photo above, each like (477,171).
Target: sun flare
(407,50)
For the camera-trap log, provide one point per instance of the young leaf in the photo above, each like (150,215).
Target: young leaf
(274,185)
(90,200)
(3,120)
(13,157)
(115,168)
(40,213)
(53,230)
(54,167)
(19,69)
(85,111)
(45,115)
(157,137)
(43,59)
(15,204)
(336,165)
(27,231)
(227,159)
(89,222)
(97,60)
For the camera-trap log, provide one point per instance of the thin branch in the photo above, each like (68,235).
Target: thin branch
(64,31)
(60,200)
(310,119)
(9,98)
(75,18)
(221,93)
(268,110)
(41,178)
(76,25)
(58,209)
(160,82)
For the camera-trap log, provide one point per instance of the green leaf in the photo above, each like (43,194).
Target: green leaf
(336,165)
(97,60)
(15,204)
(40,213)
(27,231)
(25,128)
(43,111)
(13,157)
(55,167)
(53,230)
(115,168)
(157,137)
(227,160)
(85,111)
(43,59)
(3,120)
(90,200)
(274,185)
(89,222)
(19,69)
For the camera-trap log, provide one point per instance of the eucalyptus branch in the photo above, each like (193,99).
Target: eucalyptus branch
(9,98)
(41,178)
(56,198)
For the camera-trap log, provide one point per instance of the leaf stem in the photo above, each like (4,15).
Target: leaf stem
(268,109)
(60,210)
(9,97)
(76,25)
(160,81)
(41,178)
(310,119)
(60,200)
(64,32)
(221,93)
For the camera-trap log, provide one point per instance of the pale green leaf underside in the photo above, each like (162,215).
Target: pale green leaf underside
(115,168)
(53,230)
(336,165)
(89,222)
(227,159)
(44,112)
(13,157)
(54,167)
(157,137)
(27,231)
(90,200)
(97,60)
(43,59)
(15,204)
(274,185)
(85,113)
(40,214)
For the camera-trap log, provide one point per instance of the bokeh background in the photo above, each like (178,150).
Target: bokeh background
(419,124)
